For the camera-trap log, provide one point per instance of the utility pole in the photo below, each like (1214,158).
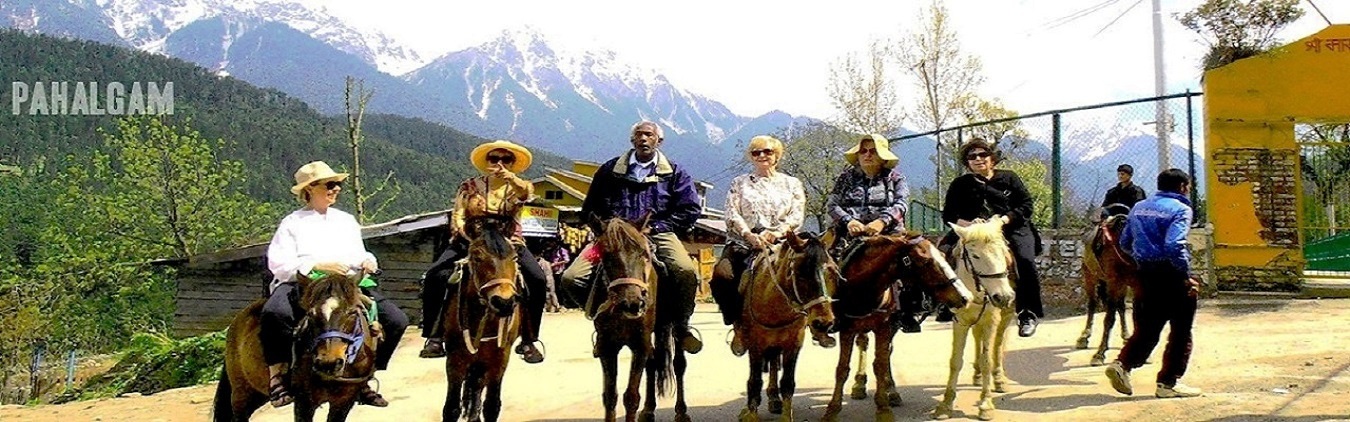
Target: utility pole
(1162,119)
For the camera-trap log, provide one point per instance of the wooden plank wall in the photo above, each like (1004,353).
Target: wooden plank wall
(208,296)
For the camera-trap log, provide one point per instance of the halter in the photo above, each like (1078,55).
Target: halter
(472,340)
(799,307)
(354,340)
(979,287)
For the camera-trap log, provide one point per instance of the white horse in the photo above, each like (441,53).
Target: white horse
(983,256)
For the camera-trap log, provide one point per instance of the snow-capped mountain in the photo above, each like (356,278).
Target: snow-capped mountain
(148,24)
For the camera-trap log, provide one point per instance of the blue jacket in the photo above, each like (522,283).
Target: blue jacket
(669,194)
(1156,230)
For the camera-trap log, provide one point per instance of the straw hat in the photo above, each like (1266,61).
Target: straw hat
(523,156)
(314,172)
(888,158)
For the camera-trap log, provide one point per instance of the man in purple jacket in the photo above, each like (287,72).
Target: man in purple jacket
(643,180)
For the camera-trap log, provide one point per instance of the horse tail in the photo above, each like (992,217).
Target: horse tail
(222,409)
(664,360)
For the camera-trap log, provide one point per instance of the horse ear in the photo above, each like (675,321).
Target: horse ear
(960,231)
(642,223)
(797,242)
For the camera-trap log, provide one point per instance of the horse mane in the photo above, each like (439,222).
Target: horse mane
(494,240)
(984,232)
(620,236)
(337,286)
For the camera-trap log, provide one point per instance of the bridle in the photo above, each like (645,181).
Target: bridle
(355,340)
(800,308)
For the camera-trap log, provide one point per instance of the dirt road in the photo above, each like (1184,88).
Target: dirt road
(1256,360)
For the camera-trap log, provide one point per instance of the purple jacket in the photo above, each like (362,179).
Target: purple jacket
(668,193)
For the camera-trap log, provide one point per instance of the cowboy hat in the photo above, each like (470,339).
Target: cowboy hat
(888,159)
(314,172)
(523,156)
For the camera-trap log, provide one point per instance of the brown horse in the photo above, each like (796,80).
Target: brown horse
(787,287)
(1108,274)
(482,321)
(335,353)
(865,300)
(631,317)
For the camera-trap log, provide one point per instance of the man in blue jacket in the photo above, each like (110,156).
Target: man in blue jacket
(643,180)
(1156,236)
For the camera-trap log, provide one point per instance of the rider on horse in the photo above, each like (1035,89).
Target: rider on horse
(762,207)
(318,237)
(499,193)
(640,182)
(870,198)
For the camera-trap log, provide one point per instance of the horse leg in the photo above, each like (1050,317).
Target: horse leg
(881,367)
(959,332)
(473,393)
(654,362)
(681,408)
(859,391)
(1120,309)
(789,383)
(245,408)
(846,339)
(1090,289)
(492,402)
(999,350)
(984,343)
(609,362)
(631,396)
(1108,323)
(304,409)
(892,396)
(454,377)
(338,412)
(774,359)
(752,386)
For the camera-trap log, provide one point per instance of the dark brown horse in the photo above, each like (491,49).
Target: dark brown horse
(865,300)
(482,321)
(630,317)
(335,353)
(787,287)
(1108,275)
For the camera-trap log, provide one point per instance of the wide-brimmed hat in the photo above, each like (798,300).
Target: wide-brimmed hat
(480,153)
(314,172)
(883,146)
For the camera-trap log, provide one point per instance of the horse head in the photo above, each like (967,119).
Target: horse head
(626,259)
(983,255)
(492,264)
(813,276)
(921,261)
(335,321)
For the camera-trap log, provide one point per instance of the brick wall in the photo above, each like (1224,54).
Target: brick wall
(1271,174)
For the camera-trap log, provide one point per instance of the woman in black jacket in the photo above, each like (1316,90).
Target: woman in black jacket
(985,192)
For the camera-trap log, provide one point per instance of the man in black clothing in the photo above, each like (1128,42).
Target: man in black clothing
(1125,193)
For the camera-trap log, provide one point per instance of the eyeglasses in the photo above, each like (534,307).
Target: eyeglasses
(330,185)
(504,159)
(867,151)
(978,155)
(759,152)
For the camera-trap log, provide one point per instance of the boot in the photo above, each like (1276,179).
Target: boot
(433,348)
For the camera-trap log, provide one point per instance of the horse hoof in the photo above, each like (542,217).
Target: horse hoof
(986,414)
(831,415)
(786,416)
(1082,344)
(858,393)
(885,416)
(748,415)
(1097,361)
(776,407)
(646,417)
(893,399)
(1000,387)
(685,418)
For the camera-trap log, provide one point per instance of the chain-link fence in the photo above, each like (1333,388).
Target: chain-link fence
(1068,158)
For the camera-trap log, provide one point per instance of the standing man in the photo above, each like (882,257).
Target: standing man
(1156,234)
(1125,193)
(638,182)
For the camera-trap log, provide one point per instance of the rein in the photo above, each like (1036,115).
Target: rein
(799,307)
(474,338)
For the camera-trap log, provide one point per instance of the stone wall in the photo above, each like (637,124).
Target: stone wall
(1063,258)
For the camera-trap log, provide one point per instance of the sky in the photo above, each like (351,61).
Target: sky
(756,56)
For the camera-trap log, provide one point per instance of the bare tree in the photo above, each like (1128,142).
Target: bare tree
(814,155)
(863,91)
(356,97)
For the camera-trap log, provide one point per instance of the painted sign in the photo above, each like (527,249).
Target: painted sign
(539,221)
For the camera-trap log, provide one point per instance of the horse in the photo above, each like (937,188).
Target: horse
(334,353)
(481,322)
(865,304)
(630,317)
(1108,274)
(981,255)
(787,287)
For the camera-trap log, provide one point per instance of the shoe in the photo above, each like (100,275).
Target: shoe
(433,348)
(908,323)
(1026,327)
(1120,378)
(278,395)
(945,314)
(529,353)
(369,397)
(737,346)
(690,343)
(1177,390)
(823,339)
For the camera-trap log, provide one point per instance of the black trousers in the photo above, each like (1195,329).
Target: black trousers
(280,315)
(1023,245)
(726,279)
(434,290)
(1162,299)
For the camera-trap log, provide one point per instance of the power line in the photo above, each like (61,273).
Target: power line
(1113,21)
(1319,11)
(1055,23)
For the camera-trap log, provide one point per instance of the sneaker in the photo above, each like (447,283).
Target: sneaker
(1177,390)
(907,323)
(369,397)
(529,353)
(1026,327)
(824,340)
(1120,378)
(434,348)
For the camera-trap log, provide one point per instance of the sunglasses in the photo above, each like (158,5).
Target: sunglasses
(867,151)
(760,152)
(330,185)
(977,155)
(504,159)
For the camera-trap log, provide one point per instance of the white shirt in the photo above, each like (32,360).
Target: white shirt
(640,170)
(775,202)
(306,237)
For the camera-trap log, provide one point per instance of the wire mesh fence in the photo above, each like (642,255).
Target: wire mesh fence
(1068,158)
